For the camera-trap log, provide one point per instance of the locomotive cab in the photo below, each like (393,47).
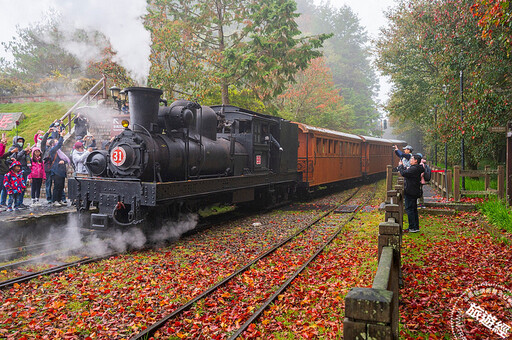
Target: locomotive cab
(270,142)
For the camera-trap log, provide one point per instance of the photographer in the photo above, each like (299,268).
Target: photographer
(79,157)
(56,129)
(81,126)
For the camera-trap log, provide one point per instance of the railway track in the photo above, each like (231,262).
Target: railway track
(23,271)
(154,328)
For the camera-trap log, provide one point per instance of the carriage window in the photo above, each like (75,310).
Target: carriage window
(318,145)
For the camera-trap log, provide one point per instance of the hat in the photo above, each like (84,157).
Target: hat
(408,147)
(78,145)
(14,163)
(419,154)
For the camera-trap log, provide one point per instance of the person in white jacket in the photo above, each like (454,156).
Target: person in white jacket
(79,158)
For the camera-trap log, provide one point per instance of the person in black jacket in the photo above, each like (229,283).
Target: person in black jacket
(81,125)
(412,190)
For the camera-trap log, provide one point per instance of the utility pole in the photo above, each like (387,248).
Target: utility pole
(435,135)
(462,124)
(508,180)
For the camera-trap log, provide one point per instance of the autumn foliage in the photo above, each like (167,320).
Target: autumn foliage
(425,49)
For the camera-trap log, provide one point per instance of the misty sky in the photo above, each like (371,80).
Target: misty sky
(23,12)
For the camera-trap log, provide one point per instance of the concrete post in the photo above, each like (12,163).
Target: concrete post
(389,177)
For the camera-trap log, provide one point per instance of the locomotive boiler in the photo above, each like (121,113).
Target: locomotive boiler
(184,156)
(168,143)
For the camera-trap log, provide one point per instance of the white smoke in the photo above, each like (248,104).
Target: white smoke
(120,21)
(122,240)
(173,230)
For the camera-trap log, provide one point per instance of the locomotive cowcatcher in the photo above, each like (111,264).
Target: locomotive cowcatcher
(181,157)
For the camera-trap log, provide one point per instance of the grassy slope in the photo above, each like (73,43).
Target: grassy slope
(38,116)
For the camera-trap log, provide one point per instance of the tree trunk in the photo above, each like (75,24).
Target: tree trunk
(225,94)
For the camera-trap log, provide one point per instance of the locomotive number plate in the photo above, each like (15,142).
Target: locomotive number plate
(258,159)
(118,156)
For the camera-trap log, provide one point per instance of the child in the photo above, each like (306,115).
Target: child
(37,175)
(15,185)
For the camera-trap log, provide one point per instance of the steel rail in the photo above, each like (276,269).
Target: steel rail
(28,277)
(148,332)
(288,282)
(208,222)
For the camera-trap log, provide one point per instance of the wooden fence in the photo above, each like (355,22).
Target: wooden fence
(372,313)
(458,173)
(442,180)
(449,184)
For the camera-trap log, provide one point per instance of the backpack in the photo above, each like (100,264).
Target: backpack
(428,173)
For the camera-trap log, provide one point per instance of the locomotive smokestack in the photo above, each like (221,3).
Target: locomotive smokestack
(144,102)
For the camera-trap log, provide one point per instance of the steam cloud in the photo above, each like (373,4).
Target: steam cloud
(121,240)
(120,21)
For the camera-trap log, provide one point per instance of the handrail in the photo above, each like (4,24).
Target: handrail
(382,277)
(70,111)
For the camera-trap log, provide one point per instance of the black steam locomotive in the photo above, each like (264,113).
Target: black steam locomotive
(184,156)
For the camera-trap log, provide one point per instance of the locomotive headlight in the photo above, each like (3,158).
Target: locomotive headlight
(125,123)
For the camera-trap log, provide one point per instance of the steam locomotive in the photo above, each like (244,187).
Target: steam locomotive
(186,156)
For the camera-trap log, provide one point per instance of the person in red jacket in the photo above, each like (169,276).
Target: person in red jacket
(37,175)
(14,183)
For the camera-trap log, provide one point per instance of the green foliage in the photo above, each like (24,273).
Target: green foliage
(253,45)
(38,116)
(43,65)
(424,50)
(495,19)
(498,213)
(241,98)
(37,53)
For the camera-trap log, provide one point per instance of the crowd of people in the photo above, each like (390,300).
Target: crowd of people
(23,165)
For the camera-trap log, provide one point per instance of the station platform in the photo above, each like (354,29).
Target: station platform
(34,211)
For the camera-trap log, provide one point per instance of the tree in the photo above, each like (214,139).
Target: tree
(46,58)
(313,99)
(250,44)
(425,49)
(37,53)
(495,19)
(348,56)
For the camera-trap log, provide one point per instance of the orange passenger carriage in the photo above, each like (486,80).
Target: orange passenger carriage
(330,156)
(377,155)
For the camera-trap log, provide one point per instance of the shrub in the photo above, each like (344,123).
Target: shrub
(498,213)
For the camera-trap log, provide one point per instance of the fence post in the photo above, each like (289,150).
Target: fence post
(400,189)
(104,89)
(448,183)
(456,183)
(389,177)
(436,178)
(487,177)
(501,182)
